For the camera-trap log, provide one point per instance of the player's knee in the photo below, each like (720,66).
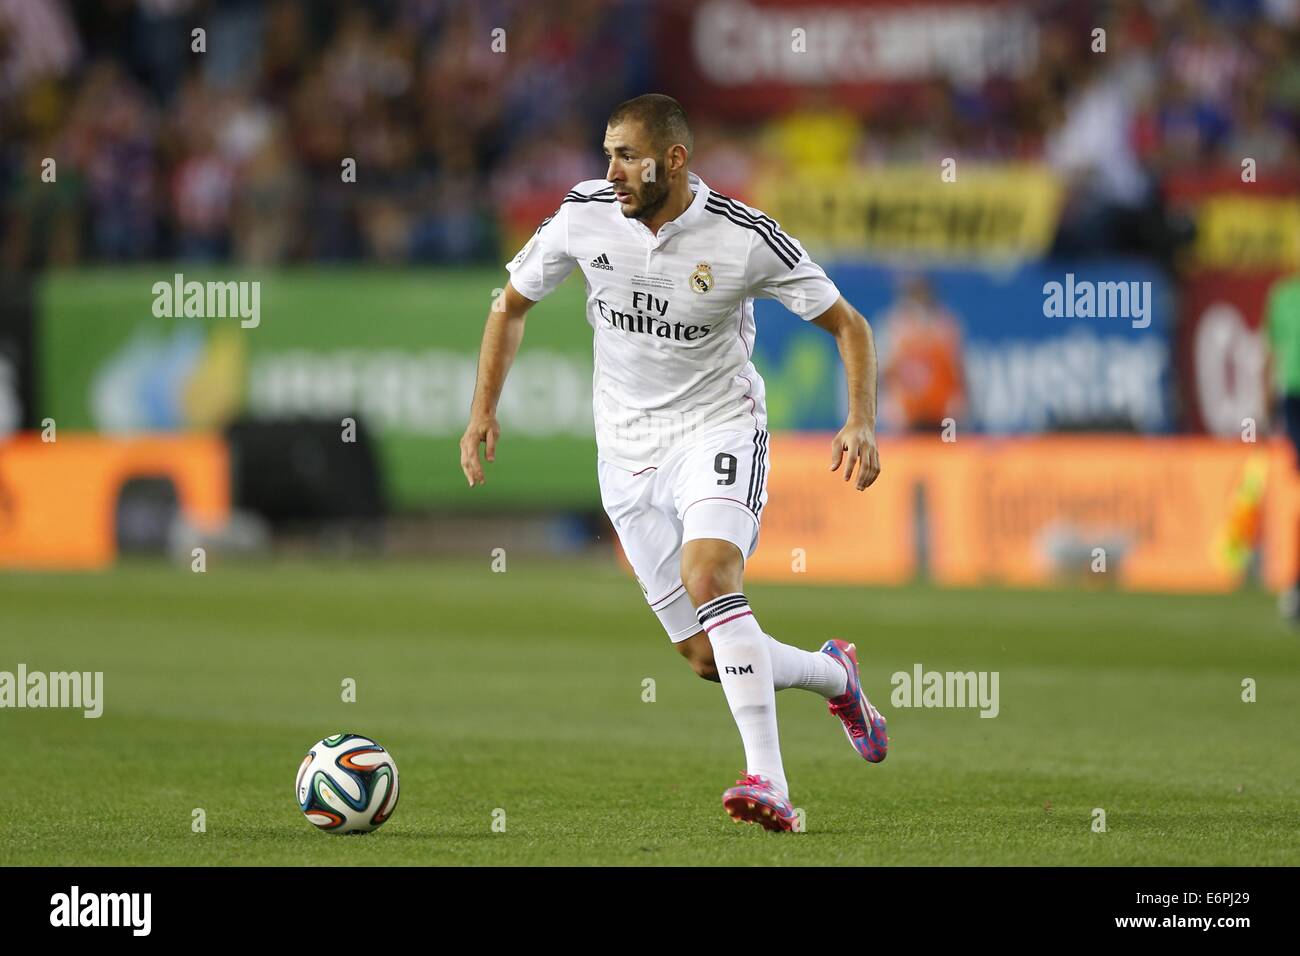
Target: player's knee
(707,580)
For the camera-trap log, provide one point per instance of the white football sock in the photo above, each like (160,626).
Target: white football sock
(810,670)
(742,654)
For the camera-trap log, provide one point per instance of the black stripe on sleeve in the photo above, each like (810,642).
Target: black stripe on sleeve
(727,214)
(603,195)
(760,219)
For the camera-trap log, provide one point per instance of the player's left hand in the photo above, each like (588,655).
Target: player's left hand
(857,440)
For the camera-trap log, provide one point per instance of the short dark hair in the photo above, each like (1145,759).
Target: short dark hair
(661,116)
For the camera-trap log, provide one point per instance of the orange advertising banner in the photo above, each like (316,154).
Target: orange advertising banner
(1164,514)
(58,498)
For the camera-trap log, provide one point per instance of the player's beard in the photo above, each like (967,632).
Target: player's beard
(651,198)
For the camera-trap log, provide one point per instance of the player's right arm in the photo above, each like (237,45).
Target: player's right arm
(501,337)
(537,271)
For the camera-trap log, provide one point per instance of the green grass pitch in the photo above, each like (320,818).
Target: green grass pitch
(523,691)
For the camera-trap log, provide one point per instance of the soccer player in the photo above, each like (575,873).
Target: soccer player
(672,269)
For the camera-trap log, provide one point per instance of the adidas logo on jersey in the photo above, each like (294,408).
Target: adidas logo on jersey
(601,262)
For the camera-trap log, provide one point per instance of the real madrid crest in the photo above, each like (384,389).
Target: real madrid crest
(702,279)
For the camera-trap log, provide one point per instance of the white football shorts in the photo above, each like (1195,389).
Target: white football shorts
(712,486)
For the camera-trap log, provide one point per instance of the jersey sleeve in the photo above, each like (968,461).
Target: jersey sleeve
(780,269)
(544,261)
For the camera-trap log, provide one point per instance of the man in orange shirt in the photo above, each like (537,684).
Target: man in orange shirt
(923,376)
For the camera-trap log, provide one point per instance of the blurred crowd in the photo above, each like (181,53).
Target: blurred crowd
(237,154)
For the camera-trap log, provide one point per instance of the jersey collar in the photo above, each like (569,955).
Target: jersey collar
(696,209)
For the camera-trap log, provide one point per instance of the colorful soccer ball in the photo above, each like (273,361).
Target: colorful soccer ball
(347,784)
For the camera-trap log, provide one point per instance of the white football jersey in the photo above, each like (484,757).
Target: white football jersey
(673,313)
